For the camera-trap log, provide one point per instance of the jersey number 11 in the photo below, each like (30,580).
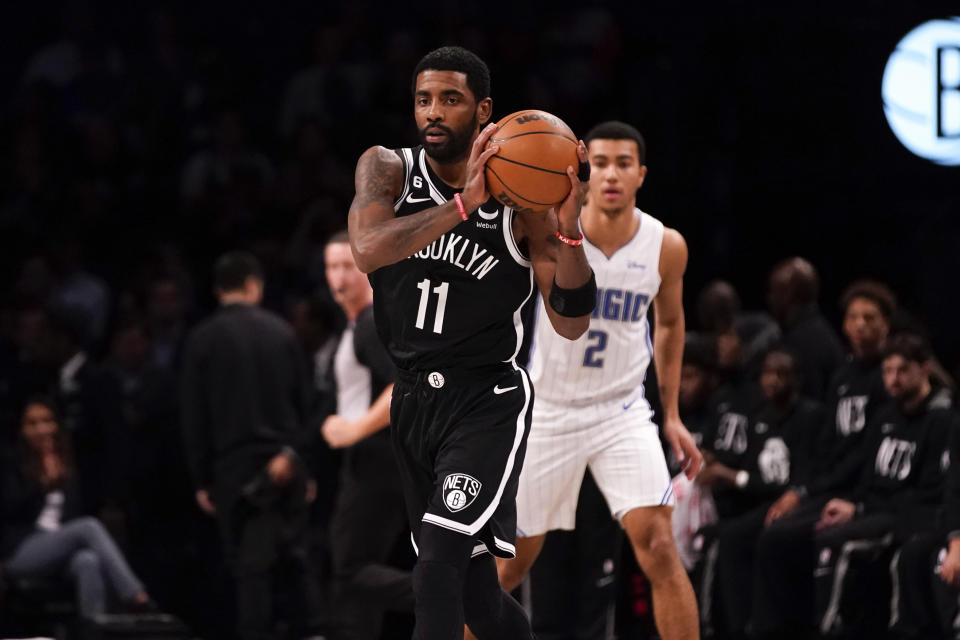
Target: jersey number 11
(441,291)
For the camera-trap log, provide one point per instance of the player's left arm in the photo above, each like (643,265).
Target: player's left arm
(668,348)
(562,272)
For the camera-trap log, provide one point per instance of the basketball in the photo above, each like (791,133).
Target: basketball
(529,171)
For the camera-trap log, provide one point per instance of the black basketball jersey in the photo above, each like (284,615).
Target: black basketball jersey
(457,302)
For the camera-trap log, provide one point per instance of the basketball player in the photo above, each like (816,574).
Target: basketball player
(591,410)
(451,268)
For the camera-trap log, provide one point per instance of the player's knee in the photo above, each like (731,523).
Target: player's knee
(658,557)
(653,544)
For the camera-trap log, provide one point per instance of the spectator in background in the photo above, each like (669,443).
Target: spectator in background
(792,290)
(76,287)
(35,183)
(244,406)
(229,183)
(698,390)
(25,369)
(153,448)
(43,532)
(743,338)
(81,65)
(89,401)
(698,398)
(166,321)
(369,518)
(312,173)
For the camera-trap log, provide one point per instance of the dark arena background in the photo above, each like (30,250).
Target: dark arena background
(140,140)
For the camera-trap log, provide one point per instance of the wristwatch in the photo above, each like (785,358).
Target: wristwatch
(742,478)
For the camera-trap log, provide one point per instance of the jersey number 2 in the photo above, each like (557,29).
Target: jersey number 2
(592,358)
(441,291)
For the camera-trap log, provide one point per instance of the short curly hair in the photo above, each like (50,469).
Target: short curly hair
(876,292)
(457,59)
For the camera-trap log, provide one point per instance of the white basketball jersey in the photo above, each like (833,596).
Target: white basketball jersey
(610,360)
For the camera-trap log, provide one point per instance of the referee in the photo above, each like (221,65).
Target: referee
(244,397)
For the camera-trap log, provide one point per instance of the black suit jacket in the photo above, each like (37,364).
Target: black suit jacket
(245,395)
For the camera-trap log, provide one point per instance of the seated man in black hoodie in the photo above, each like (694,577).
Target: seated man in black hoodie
(900,491)
(926,569)
(901,481)
(778,445)
(783,597)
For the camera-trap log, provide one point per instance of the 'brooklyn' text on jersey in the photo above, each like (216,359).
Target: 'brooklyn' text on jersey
(461,252)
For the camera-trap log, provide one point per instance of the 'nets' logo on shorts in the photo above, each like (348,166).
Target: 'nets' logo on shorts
(459,491)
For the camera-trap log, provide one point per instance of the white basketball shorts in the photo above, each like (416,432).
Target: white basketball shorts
(620,444)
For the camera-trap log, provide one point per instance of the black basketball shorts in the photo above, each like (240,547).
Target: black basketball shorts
(460,437)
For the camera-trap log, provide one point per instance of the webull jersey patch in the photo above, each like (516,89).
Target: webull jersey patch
(459,491)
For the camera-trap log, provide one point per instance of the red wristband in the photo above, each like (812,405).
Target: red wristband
(460,207)
(570,241)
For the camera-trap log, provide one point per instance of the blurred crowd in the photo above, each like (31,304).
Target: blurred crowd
(136,156)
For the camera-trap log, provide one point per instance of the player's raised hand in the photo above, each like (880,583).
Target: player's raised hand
(475,185)
(569,210)
(684,448)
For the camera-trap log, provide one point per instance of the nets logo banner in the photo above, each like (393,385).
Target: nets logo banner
(921,91)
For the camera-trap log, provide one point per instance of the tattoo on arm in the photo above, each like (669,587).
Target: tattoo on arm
(375,181)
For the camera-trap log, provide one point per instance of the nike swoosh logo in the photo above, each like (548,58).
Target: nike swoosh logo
(497,390)
(487,216)
(627,405)
(413,200)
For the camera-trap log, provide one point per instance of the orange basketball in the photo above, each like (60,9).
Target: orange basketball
(529,171)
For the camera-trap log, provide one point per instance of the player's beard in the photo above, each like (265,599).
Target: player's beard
(455,147)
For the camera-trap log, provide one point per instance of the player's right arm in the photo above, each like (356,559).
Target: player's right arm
(377,236)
